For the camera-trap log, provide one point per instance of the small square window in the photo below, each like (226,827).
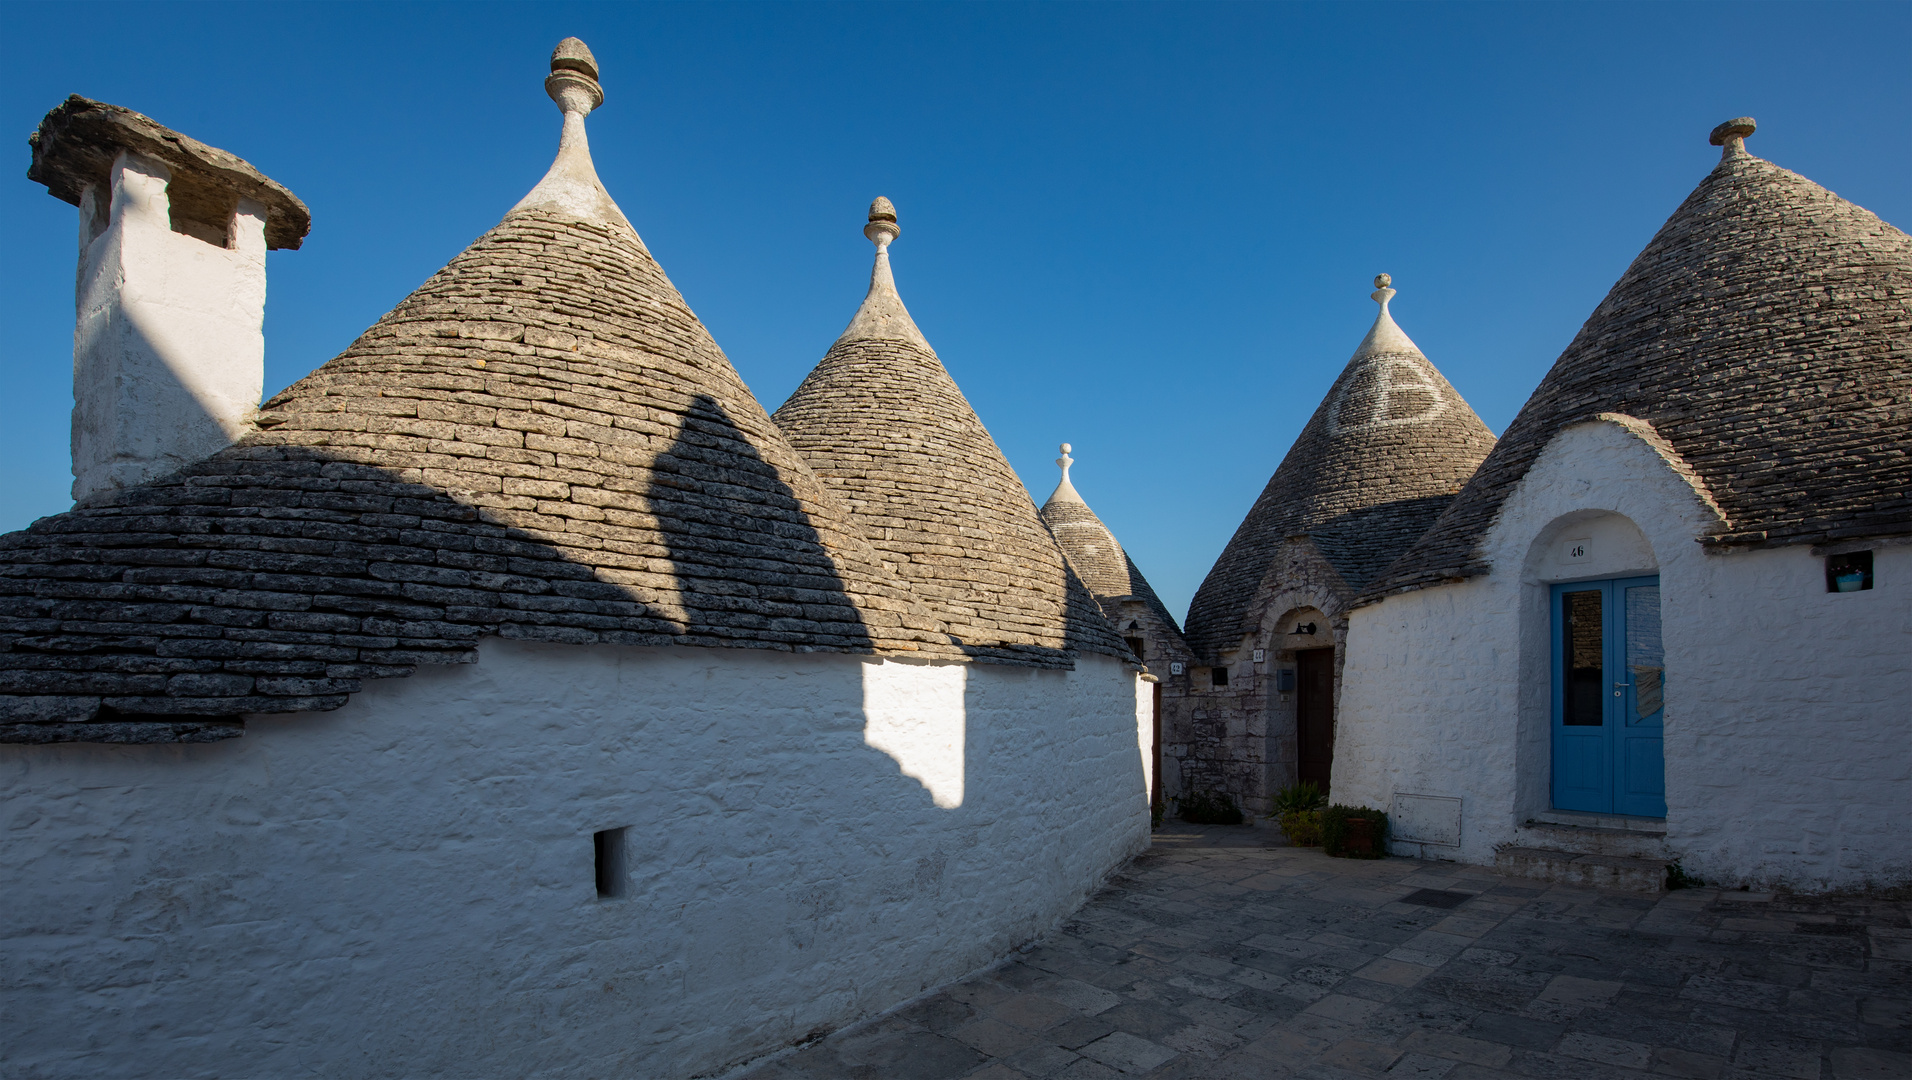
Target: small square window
(1137,645)
(1218,676)
(1850,572)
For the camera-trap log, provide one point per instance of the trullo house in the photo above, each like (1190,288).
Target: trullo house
(512,692)
(1382,456)
(1670,617)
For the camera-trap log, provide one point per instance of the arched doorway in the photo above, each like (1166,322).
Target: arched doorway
(1301,645)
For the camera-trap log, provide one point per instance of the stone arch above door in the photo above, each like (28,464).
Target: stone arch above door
(1589,543)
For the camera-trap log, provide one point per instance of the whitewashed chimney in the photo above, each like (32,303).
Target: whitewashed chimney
(169,334)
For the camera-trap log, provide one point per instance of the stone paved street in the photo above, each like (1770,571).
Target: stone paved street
(1219,954)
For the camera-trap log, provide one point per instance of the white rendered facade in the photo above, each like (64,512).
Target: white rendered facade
(1786,706)
(168,338)
(406,886)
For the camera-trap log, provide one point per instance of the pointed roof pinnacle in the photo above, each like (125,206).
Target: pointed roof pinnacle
(1385,336)
(883,316)
(1731,135)
(1065,491)
(572,183)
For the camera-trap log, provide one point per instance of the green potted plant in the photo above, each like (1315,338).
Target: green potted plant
(1354,832)
(1206,808)
(1298,811)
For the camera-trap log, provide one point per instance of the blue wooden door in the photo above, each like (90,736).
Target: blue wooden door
(1609,683)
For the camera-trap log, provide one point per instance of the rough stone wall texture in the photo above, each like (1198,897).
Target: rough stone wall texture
(542,442)
(1240,739)
(1383,453)
(889,432)
(1766,334)
(1786,761)
(405,886)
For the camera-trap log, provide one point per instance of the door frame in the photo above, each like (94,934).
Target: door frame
(1618,698)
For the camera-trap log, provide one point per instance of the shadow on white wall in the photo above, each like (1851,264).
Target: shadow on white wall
(916,715)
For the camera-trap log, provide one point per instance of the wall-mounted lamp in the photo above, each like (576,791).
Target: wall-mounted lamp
(1306,629)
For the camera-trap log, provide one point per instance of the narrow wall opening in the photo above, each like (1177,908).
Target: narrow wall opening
(613,871)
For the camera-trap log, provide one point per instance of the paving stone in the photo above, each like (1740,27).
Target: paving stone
(1077,1032)
(993,1037)
(1360,1055)
(1516,1031)
(1674,1062)
(1861,1063)
(1084,1069)
(1031,1012)
(1420,1067)
(1443,1044)
(1042,1059)
(1127,1053)
(1579,1044)
(919,1055)
(1201,1041)
(1795,1058)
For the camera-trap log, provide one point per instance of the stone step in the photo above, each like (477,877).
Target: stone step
(1579,868)
(1594,840)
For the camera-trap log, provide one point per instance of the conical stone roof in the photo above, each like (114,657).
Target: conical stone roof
(1093,551)
(887,429)
(541,442)
(1383,454)
(1765,333)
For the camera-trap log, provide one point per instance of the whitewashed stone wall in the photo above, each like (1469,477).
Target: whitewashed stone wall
(406,886)
(168,338)
(1787,706)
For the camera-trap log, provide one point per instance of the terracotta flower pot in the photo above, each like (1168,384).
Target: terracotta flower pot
(1360,836)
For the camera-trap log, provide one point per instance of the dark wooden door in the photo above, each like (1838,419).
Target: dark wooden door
(1314,715)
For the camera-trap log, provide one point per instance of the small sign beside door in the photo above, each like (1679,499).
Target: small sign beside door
(1576,550)
(1261,655)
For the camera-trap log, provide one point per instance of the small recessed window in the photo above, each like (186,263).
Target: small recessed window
(1218,676)
(1850,572)
(1137,646)
(613,875)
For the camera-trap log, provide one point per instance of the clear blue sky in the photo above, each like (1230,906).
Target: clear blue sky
(1147,230)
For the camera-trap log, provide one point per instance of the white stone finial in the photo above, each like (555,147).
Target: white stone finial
(1385,336)
(573,82)
(882,229)
(883,315)
(572,185)
(1382,293)
(1065,491)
